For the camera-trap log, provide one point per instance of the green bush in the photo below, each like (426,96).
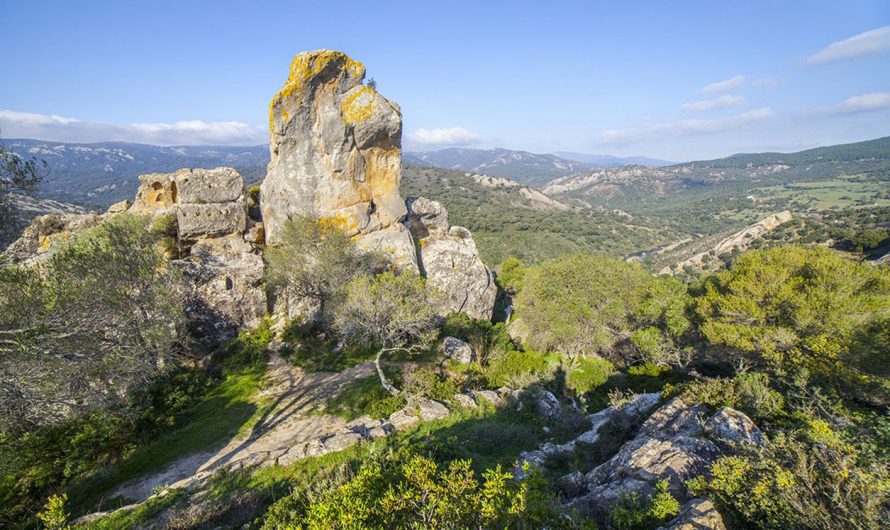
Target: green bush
(795,482)
(516,369)
(792,307)
(412,491)
(748,392)
(579,304)
(633,513)
(431,384)
(587,373)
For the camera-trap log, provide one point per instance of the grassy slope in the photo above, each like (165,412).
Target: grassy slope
(227,410)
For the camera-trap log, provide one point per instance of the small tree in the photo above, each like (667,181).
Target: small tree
(17,175)
(315,260)
(99,319)
(394,311)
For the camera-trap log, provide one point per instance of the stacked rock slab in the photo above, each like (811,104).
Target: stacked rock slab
(450,261)
(336,153)
(225,270)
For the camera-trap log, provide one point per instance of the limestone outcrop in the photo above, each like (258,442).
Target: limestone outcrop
(335,152)
(450,261)
(219,254)
(676,443)
(215,243)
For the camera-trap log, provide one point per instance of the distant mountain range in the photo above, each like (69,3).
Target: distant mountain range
(607,161)
(103,173)
(521,166)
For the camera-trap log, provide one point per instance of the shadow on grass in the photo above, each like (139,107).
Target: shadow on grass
(221,415)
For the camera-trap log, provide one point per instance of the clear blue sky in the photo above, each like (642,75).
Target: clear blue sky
(584,76)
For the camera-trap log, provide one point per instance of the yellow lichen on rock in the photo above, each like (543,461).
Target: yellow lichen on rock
(307,65)
(359,106)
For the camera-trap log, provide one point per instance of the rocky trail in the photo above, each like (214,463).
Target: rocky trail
(292,419)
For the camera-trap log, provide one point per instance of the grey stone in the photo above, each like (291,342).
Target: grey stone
(452,265)
(733,426)
(339,442)
(697,514)
(431,410)
(547,404)
(489,396)
(206,220)
(402,420)
(465,401)
(335,148)
(458,350)
(426,217)
(201,186)
(119,207)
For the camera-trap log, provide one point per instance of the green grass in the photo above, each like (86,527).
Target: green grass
(363,396)
(136,517)
(305,349)
(226,411)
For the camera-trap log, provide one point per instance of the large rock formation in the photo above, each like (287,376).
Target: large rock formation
(336,152)
(215,243)
(225,268)
(449,259)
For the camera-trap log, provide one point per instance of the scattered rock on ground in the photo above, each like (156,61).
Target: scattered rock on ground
(458,350)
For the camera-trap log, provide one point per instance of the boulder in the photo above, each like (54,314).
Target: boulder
(671,445)
(426,217)
(228,293)
(465,401)
(402,420)
(732,426)
(697,514)
(458,350)
(431,410)
(546,404)
(203,186)
(208,220)
(119,207)
(451,264)
(335,148)
(394,242)
(156,193)
(488,396)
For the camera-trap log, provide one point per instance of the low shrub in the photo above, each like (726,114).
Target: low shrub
(516,369)
(588,373)
(807,479)
(633,513)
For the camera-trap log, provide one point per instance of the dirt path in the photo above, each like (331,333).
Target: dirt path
(293,418)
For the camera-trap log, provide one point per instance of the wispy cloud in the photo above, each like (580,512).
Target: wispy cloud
(871,102)
(723,102)
(866,43)
(51,127)
(723,86)
(442,137)
(686,127)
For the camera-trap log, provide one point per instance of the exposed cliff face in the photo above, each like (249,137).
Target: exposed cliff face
(335,152)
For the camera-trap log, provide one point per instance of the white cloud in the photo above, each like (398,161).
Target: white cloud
(193,132)
(866,43)
(723,102)
(873,101)
(687,127)
(443,137)
(723,86)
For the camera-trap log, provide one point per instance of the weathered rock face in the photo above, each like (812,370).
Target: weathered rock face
(671,445)
(335,148)
(450,261)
